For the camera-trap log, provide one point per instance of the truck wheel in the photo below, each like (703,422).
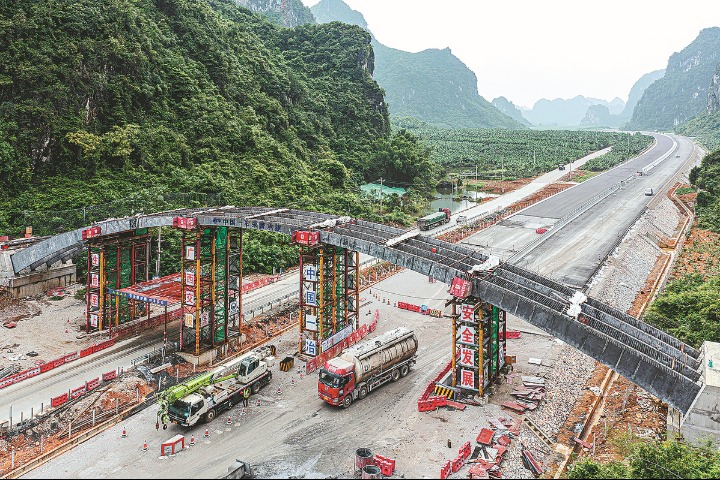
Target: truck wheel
(362,393)
(404,370)
(210,416)
(347,401)
(395,375)
(256,387)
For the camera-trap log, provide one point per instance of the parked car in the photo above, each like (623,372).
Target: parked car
(649,191)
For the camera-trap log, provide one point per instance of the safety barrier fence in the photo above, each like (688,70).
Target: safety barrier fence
(453,466)
(31,372)
(134,328)
(423,309)
(259,283)
(81,390)
(428,402)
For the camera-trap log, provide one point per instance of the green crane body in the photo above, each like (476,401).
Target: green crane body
(176,392)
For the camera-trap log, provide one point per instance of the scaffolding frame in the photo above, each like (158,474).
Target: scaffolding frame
(479,328)
(114,262)
(329,297)
(206,272)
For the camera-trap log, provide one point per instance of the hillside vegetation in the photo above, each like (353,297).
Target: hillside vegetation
(689,308)
(682,92)
(432,85)
(132,101)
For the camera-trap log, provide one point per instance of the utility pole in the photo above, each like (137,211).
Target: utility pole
(534,161)
(157,262)
(381,193)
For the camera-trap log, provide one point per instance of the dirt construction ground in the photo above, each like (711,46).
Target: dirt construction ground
(294,434)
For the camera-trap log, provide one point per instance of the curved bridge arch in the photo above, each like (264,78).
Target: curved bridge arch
(654,360)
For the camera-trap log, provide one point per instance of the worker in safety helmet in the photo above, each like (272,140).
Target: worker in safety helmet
(246,395)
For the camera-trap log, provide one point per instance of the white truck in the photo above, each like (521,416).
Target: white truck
(204,396)
(364,367)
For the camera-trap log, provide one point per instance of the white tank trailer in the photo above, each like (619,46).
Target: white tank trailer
(366,366)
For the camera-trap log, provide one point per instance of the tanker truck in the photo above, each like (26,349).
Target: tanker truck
(366,366)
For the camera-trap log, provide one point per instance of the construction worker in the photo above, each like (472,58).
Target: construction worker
(246,395)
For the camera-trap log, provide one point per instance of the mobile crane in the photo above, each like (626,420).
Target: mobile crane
(206,395)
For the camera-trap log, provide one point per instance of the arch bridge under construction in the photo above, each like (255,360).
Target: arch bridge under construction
(208,291)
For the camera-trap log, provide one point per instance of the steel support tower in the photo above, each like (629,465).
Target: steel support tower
(478,345)
(115,262)
(329,297)
(207,270)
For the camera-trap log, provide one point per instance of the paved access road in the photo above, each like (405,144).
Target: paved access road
(571,254)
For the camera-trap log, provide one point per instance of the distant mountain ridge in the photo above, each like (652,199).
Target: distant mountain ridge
(508,108)
(637,90)
(683,92)
(567,112)
(433,85)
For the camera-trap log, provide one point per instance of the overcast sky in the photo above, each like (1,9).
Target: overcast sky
(526,50)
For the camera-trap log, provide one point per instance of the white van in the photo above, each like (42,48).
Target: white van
(649,191)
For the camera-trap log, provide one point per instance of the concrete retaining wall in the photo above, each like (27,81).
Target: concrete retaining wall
(40,282)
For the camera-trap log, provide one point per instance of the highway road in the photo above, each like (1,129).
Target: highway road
(571,252)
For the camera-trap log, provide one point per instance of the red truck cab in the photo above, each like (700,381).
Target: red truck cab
(336,381)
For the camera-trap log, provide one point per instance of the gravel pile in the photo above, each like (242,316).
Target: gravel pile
(619,281)
(563,389)
(665,217)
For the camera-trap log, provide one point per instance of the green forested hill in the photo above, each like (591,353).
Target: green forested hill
(432,85)
(436,87)
(682,92)
(101,101)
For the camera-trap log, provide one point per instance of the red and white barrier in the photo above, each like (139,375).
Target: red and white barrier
(31,372)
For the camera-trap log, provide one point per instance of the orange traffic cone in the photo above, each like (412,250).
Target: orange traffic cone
(144,446)
(258,403)
(243,412)
(207,432)
(229,422)
(292,380)
(124,433)
(300,375)
(66,330)
(192,440)
(278,392)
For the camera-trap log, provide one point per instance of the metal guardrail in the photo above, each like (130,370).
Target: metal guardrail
(156,352)
(569,218)
(655,163)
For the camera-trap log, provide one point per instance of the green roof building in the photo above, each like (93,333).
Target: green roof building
(373,189)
